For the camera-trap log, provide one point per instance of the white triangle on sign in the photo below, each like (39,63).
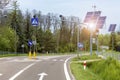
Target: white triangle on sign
(34,22)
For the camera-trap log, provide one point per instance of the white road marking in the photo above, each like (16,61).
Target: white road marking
(61,60)
(66,70)
(54,59)
(25,60)
(42,75)
(1,74)
(20,72)
(8,58)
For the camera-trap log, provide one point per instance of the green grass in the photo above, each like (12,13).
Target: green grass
(108,69)
(81,74)
(78,70)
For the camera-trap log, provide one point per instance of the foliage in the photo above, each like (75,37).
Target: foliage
(108,69)
(104,39)
(7,39)
(81,74)
(15,22)
(112,42)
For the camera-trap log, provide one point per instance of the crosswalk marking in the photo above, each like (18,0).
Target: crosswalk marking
(32,60)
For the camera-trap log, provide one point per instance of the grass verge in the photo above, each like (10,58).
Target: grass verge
(108,69)
(81,74)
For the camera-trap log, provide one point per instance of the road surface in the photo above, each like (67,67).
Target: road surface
(42,68)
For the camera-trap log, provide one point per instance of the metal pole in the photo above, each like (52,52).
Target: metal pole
(90,42)
(112,42)
(97,45)
(35,44)
(36,40)
(97,42)
(78,41)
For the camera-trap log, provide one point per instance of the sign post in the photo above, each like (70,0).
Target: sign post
(34,54)
(30,44)
(80,45)
(34,22)
(23,48)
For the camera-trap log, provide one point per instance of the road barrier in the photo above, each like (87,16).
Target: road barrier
(110,54)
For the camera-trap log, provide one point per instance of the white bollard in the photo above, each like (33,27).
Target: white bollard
(84,65)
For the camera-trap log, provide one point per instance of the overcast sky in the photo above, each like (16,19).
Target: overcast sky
(109,8)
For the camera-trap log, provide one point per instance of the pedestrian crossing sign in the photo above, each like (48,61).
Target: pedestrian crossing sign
(34,21)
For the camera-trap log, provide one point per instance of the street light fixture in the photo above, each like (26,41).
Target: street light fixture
(97,42)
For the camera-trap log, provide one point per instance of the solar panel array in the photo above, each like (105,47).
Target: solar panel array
(94,17)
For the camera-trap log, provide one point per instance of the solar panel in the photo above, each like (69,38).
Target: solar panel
(101,22)
(88,17)
(112,27)
(92,17)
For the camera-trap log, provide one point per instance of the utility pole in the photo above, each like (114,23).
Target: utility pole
(91,32)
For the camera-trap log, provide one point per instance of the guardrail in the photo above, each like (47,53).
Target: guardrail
(2,53)
(112,55)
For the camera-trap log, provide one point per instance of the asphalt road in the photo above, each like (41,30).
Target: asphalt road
(42,68)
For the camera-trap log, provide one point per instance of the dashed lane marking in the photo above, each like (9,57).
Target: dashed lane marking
(54,59)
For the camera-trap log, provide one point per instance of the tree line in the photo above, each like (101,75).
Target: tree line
(55,32)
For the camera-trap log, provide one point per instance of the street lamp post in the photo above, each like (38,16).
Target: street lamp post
(78,41)
(78,31)
(97,42)
(91,26)
(112,41)
(91,43)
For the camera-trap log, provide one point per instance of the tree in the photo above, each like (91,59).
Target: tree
(7,39)
(45,41)
(16,23)
(28,30)
(112,43)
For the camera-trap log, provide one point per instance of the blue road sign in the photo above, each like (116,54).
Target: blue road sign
(80,45)
(112,27)
(34,21)
(30,43)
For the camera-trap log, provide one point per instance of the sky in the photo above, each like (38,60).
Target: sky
(79,8)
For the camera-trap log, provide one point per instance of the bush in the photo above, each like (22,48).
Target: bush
(107,69)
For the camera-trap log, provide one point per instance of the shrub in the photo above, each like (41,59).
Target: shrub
(107,69)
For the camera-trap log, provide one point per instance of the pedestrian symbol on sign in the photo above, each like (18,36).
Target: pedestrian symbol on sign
(34,21)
